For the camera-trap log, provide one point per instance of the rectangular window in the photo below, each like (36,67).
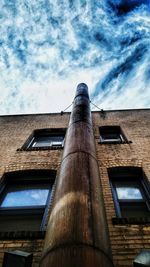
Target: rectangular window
(130,192)
(45,139)
(24,198)
(111,134)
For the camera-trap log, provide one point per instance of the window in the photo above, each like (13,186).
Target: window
(130,192)
(142,259)
(45,139)
(112,134)
(24,200)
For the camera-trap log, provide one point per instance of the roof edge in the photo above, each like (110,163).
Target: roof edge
(60,113)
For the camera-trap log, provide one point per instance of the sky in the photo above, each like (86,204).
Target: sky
(47,47)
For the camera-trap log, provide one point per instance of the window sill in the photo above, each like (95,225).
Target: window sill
(133,220)
(41,148)
(113,142)
(22,235)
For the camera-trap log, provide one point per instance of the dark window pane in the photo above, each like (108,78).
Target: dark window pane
(129,210)
(21,222)
(111,134)
(25,197)
(12,261)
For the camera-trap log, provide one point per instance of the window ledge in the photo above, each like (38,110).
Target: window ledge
(41,148)
(113,142)
(22,235)
(132,220)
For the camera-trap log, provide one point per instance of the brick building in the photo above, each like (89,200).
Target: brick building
(31,148)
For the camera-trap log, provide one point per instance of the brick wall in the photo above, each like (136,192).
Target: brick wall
(14,131)
(126,240)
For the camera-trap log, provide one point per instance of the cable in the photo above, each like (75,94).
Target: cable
(62,112)
(95,106)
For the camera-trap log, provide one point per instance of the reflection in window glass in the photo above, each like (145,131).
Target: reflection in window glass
(111,137)
(26,197)
(129,193)
(111,134)
(47,141)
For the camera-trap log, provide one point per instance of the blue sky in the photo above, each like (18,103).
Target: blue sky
(26,197)
(48,47)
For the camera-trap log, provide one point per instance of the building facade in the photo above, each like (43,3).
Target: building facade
(31,149)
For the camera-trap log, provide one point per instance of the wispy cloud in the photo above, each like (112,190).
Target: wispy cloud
(26,197)
(47,48)
(129,193)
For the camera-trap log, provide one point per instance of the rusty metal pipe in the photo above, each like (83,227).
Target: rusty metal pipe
(77,233)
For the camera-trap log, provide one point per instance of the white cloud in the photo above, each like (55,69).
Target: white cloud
(48,47)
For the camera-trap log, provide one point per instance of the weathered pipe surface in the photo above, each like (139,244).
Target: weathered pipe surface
(77,234)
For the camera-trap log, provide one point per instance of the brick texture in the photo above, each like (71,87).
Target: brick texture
(14,131)
(126,240)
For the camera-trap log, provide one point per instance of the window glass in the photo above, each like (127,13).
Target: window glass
(111,134)
(129,190)
(111,137)
(134,210)
(128,193)
(42,141)
(45,139)
(25,197)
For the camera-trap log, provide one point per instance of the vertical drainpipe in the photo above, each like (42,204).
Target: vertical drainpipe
(77,233)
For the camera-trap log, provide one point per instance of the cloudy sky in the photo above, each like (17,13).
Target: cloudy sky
(26,197)
(47,47)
